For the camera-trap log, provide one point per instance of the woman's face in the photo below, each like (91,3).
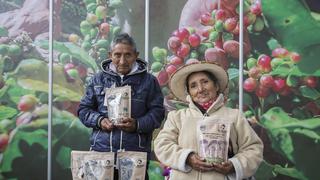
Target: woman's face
(201,88)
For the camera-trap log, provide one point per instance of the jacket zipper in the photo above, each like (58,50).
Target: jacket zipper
(121,79)
(205,115)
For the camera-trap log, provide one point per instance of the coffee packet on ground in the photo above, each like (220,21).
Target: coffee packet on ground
(132,165)
(213,140)
(92,165)
(118,101)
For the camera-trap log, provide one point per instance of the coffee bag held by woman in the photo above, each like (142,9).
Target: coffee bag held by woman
(207,140)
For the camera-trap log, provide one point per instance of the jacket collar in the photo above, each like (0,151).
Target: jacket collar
(219,102)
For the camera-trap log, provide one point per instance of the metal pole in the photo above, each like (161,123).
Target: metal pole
(50,87)
(241,58)
(146,29)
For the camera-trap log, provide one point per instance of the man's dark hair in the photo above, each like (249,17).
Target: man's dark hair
(208,74)
(123,38)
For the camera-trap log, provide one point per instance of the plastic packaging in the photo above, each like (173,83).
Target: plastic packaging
(92,165)
(213,140)
(118,101)
(132,165)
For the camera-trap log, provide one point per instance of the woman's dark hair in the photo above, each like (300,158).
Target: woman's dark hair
(208,74)
(123,38)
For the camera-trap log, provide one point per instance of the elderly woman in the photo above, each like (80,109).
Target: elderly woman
(203,85)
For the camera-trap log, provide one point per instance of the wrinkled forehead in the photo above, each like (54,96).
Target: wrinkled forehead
(123,45)
(123,48)
(198,75)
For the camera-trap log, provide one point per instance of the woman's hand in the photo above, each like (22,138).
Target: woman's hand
(198,163)
(224,167)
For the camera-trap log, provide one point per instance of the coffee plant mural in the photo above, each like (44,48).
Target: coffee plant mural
(281,74)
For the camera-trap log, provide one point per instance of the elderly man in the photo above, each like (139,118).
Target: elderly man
(132,133)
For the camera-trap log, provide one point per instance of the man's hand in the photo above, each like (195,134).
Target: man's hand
(224,167)
(198,163)
(106,124)
(127,125)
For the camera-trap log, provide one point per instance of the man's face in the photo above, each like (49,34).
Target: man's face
(123,56)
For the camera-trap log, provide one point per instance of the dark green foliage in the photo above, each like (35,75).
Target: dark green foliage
(72,13)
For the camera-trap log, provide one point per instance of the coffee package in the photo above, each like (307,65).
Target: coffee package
(118,101)
(213,140)
(92,165)
(132,165)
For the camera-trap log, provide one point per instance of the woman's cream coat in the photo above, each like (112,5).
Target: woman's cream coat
(178,138)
